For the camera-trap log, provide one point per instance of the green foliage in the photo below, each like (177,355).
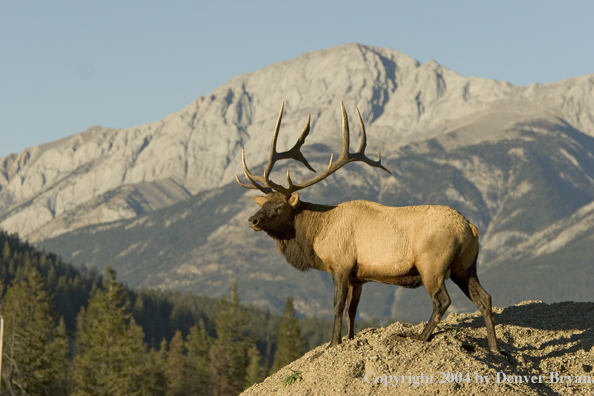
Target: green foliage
(35,347)
(231,346)
(111,355)
(254,370)
(221,346)
(451,328)
(290,345)
(198,345)
(177,371)
(161,313)
(156,384)
(290,379)
(71,287)
(316,331)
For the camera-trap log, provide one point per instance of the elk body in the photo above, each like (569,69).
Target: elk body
(361,241)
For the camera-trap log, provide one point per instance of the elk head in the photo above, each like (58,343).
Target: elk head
(276,215)
(281,203)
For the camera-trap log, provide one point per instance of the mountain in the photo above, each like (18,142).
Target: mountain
(160,204)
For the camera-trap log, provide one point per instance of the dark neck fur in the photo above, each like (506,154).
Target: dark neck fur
(295,240)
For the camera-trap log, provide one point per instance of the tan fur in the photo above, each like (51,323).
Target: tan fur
(387,242)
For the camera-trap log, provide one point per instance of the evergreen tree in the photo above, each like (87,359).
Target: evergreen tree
(35,349)
(220,382)
(6,255)
(198,346)
(229,352)
(111,355)
(290,344)
(177,371)
(254,371)
(156,362)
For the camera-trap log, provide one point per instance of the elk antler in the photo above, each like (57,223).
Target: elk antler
(295,153)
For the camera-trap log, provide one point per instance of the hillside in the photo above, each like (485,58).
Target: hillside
(540,342)
(518,191)
(159,202)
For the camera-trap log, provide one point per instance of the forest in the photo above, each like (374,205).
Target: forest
(72,331)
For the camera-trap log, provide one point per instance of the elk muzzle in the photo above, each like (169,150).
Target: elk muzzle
(254,222)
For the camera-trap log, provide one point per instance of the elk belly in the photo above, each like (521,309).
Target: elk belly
(401,273)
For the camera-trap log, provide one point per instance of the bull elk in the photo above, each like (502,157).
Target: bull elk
(362,241)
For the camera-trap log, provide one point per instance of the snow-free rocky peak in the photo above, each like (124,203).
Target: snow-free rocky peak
(198,148)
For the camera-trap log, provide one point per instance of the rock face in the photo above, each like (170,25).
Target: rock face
(198,148)
(546,350)
(159,202)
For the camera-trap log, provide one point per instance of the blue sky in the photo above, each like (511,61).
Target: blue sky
(68,65)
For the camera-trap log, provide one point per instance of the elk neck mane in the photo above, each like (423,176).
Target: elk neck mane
(296,241)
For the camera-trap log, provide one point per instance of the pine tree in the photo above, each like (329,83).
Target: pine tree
(156,362)
(229,352)
(220,383)
(6,255)
(176,369)
(198,346)
(290,344)
(111,355)
(254,371)
(35,349)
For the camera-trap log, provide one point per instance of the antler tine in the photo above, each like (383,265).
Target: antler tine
(363,135)
(295,153)
(360,155)
(265,190)
(251,177)
(346,139)
(274,156)
(345,156)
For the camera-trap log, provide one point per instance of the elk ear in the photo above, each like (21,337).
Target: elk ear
(294,200)
(259,200)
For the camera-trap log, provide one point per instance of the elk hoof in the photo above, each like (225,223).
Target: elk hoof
(333,343)
(418,337)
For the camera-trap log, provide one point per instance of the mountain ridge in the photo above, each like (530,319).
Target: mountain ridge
(199,146)
(159,201)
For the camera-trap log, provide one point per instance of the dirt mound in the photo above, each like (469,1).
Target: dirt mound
(546,350)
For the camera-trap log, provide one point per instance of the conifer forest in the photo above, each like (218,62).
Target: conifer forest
(71,331)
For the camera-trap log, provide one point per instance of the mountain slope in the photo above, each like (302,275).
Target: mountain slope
(197,148)
(537,178)
(160,204)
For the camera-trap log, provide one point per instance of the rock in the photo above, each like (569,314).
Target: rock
(198,148)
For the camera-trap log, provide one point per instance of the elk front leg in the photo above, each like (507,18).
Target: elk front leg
(353,297)
(341,286)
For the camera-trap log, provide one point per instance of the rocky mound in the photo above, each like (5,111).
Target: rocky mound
(546,350)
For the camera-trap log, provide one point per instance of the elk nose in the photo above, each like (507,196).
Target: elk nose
(253,221)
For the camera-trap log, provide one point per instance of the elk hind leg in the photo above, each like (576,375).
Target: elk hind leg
(470,285)
(354,294)
(441,302)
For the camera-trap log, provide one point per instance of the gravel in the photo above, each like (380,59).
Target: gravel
(546,349)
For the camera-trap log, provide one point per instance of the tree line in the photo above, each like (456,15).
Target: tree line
(72,331)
